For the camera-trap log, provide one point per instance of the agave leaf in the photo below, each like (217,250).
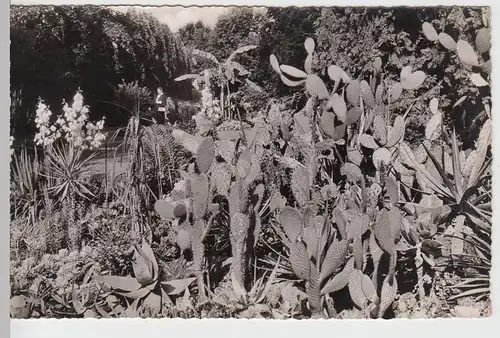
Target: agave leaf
(142,266)
(469,293)
(457,174)
(442,173)
(119,283)
(293,72)
(176,286)
(300,260)
(467,54)
(483,142)
(429,32)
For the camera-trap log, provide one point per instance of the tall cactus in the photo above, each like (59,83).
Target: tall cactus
(194,210)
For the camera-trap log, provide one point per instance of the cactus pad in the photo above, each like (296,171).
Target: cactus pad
(352,93)
(340,280)
(354,156)
(381,156)
(353,115)
(226,149)
(183,239)
(300,185)
(200,188)
(205,155)
(327,124)
(291,221)
(316,87)
(334,258)
(221,177)
(165,209)
(311,238)
(179,210)
(368,141)
(356,289)
(379,129)
(300,260)
(387,295)
(367,94)
(352,172)
(397,132)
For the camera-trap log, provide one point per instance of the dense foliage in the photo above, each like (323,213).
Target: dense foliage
(321,174)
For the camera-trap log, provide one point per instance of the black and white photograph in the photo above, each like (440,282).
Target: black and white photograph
(250,162)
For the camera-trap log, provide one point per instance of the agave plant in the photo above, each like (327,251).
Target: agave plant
(146,288)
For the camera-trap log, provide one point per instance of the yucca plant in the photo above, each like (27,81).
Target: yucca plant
(146,288)
(27,177)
